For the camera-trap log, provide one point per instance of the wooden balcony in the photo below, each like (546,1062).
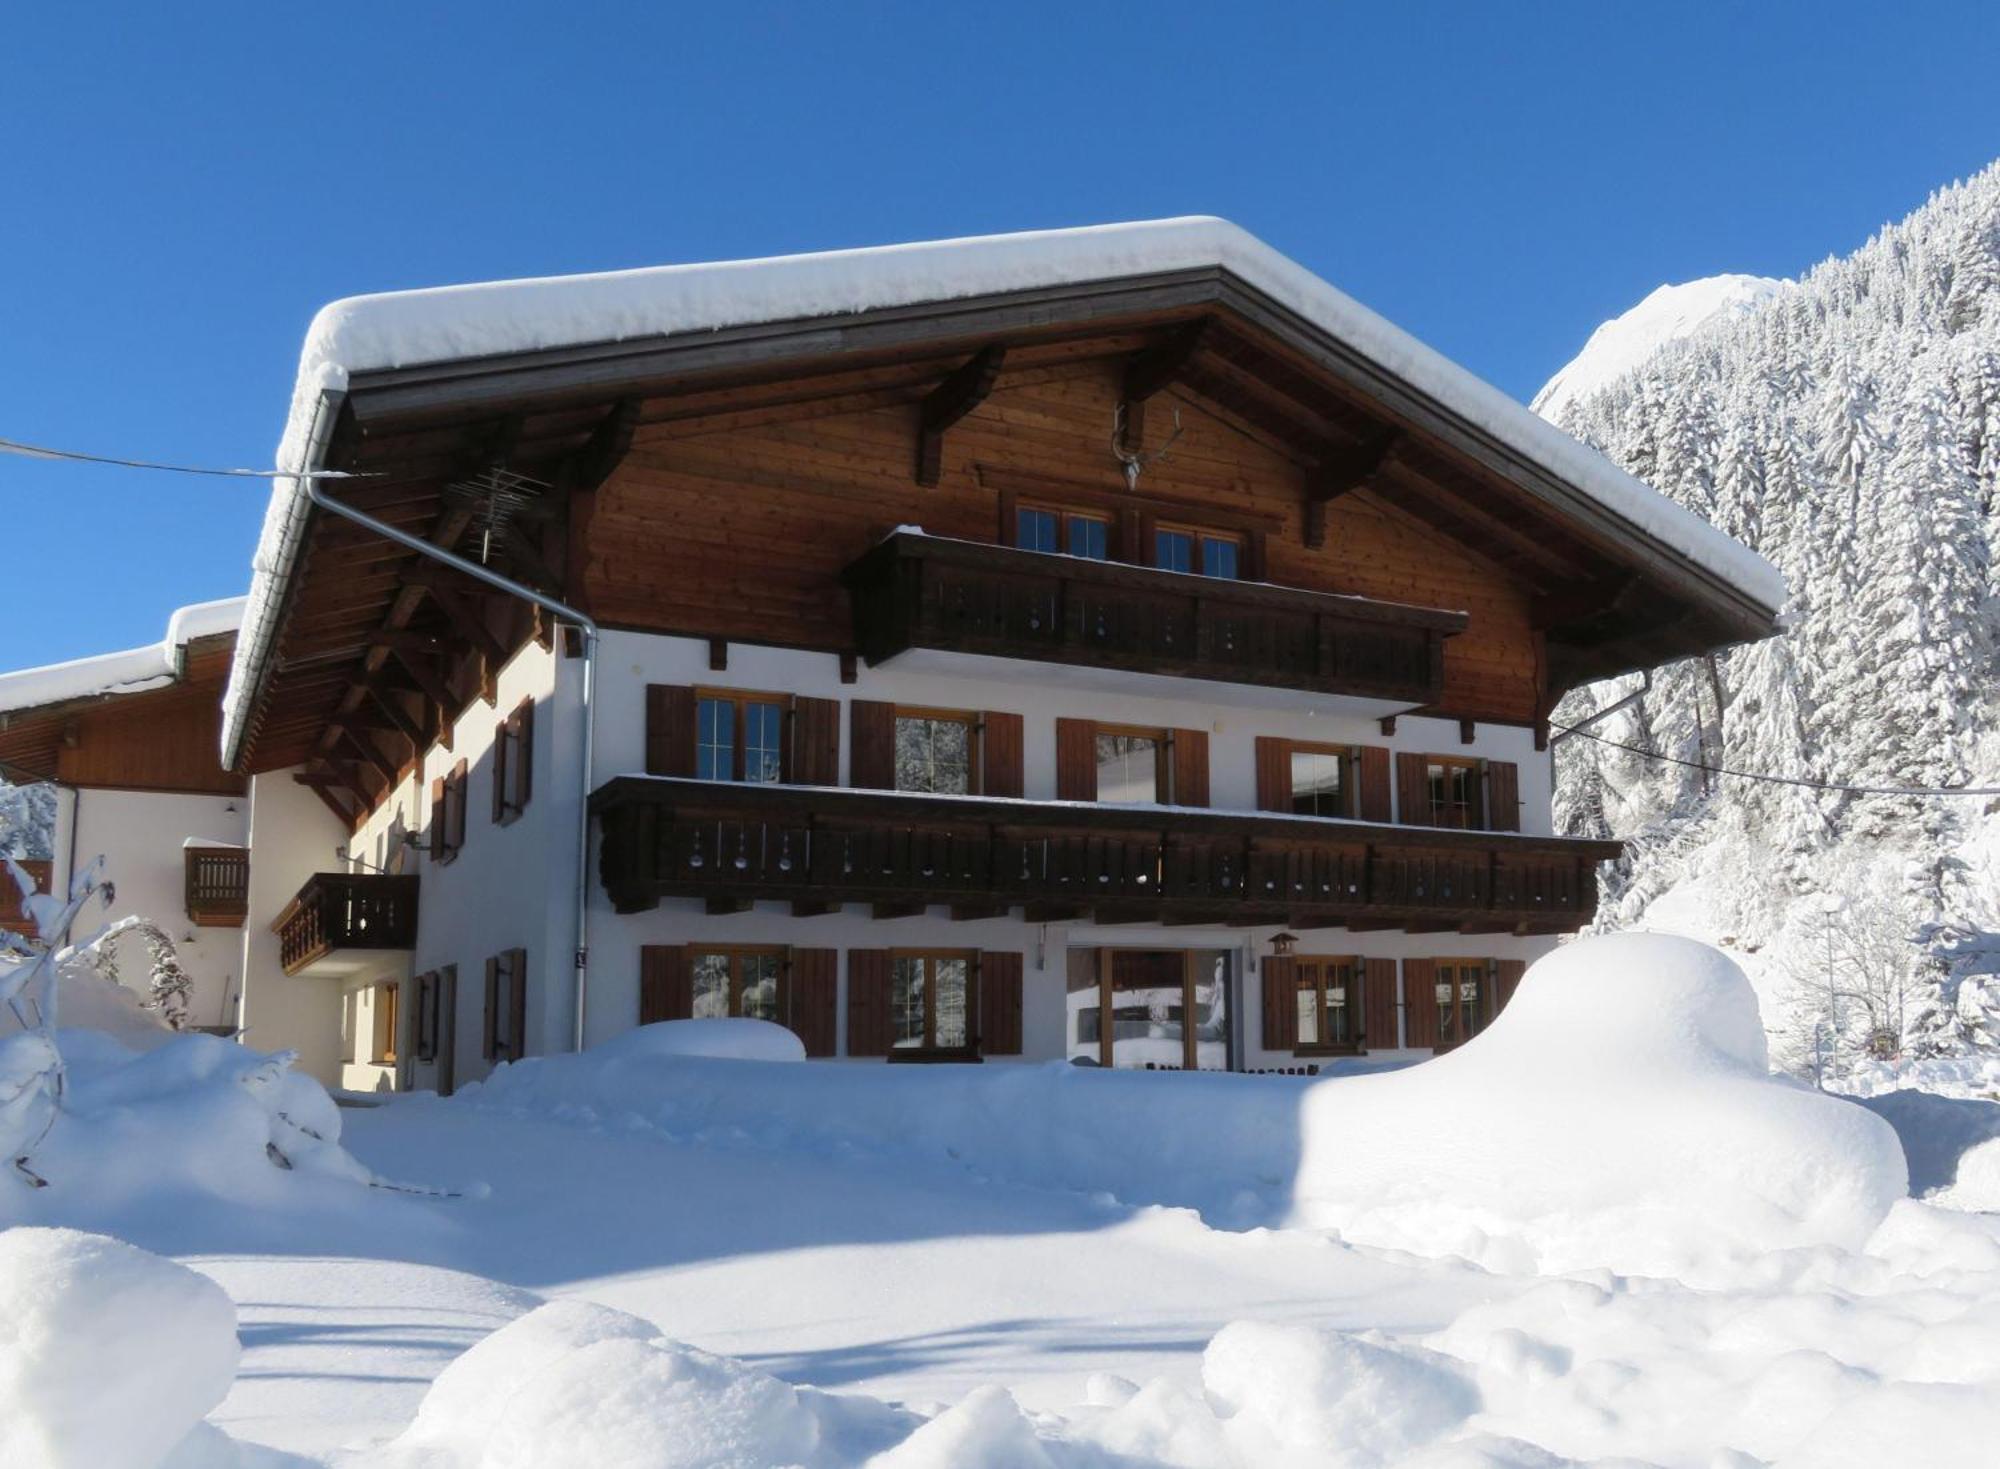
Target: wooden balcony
(217,885)
(916,591)
(1058,862)
(339,919)
(12,917)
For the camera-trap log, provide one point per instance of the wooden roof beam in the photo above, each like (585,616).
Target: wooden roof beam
(1342,472)
(1153,371)
(950,401)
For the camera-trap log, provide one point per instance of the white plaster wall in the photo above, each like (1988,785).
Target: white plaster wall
(139,835)
(292,836)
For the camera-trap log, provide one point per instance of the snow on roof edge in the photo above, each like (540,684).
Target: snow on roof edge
(406,328)
(128,671)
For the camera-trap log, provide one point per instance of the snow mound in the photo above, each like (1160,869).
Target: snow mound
(1620,1113)
(1976,1185)
(109,1356)
(721,1039)
(1668,314)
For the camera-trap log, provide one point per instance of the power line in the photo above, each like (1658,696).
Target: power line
(1783,780)
(37,451)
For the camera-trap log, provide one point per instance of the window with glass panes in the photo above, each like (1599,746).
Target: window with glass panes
(1070,532)
(739,736)
(1454,792)
(1320,780)
(1329,1003)
(1205,553)
(1131,766)
(937,752)
(1461,999)
(929,998)
(737,981)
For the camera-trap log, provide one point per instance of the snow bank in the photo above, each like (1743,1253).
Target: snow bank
(722,1039)
(109,1356)
(1619,1113)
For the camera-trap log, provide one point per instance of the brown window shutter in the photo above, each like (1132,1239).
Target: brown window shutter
(437,819)
(500,776)
(454,835)
(1506,979)
(1371,784)
(1076,760)
(1378,1004)
(1413,790)
(815,741)
(871,744)
(999,1003)
(1274,773)
(492,1007)
(664,986)
(1190,767)
(524,754)
(867,1002)
(670,735)
(1420,1004)
(517,1004)
(1503,795)
(1281,1013)
(812,996)
(1001,764)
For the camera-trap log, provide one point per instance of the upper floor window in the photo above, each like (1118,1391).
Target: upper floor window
(1461,1000)
(448,814)
(737,981)
(1320,780)
(1131,766)
(1071,532)
(1205,553)
(937,752)
(739,736)
(1453,790)
(513,762)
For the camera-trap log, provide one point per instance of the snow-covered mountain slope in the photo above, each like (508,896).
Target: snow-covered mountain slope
(1848,427)
(1624,342)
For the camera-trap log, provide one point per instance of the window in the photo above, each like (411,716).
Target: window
(1320,780)
(388,1022)
(1461,999)
(507,1005)
(513,762)
(448,815)
(929,995)
(1329,1001)
(739,981)
(427,1016)
(1454,792)
(1042,528)
(740,736)
(1206,553)
(937,752)
(1131,766)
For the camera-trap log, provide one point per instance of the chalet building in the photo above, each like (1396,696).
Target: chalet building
(1110,644)
(130,743)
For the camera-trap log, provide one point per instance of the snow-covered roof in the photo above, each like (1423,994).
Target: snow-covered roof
(409,328)
(132,671)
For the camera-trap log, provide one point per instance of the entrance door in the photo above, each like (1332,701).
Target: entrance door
(1161,1008)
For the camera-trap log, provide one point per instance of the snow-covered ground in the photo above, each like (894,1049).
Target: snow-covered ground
(765,1262)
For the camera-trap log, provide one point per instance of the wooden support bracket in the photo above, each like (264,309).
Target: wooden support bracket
(950,401)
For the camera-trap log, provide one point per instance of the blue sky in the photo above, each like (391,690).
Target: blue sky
(186,185)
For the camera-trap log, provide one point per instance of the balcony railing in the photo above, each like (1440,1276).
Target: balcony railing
(1056,861)
(338,917)
(218,885)
(916,591)
(13,917)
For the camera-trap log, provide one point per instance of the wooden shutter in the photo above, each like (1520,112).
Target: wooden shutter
(815,742)
(1413,790)
(1190,767)
(868,1002)
(1281,1011)
(1274,773)
(1371,784)
(1503,795)
(492,1046)
(665,990)
(670,736)
(454,805)
(1507,979)
(524,754)
(517,1004)
(1076,760)
(1378,1004)
(437,819)
(427,1014)
(813,991)
(999,1003)
(1420,1004)
(1001,764)
(871,744)
(501,794)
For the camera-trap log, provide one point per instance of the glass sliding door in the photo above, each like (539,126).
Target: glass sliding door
(1164,1009)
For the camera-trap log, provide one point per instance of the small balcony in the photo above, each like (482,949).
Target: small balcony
(13,915)
(733,844)
(340,921)
(961,597)
(217,881)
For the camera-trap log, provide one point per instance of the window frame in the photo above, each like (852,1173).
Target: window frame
(928,1048)
(1486,971)
(975,742)
(1163,758)
(741,698)
(1475,806)
(1198,536)
(1350,777)
(736,954)
(1357,980)
(1065,515)
(513,763)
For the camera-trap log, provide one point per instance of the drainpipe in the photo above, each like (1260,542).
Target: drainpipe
(321,498)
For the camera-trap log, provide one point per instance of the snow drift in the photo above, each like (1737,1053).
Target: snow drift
(720,1038)
(1619,1113)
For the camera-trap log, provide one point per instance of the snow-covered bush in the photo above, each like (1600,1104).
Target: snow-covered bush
(109,1356)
